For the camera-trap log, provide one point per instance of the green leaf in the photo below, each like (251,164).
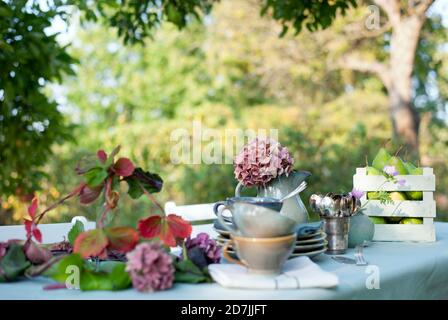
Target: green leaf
(188,272)
(95,177)
(59,271)
(151,182)
(76,230)
(120,278)
(112,275)
(95,281)
(117,279)
(13,264)
(134,189)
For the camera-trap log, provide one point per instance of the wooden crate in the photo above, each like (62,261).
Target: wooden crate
(426,208)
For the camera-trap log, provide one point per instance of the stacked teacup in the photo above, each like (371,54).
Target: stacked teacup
(263,239)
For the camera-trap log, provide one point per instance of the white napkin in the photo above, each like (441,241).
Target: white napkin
(297,273)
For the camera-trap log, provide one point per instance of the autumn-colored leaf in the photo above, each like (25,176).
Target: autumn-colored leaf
(33,208)
(91,243)
(102,156)
(123,239)
(28,226)
(36,254)
(37,234)
(112,199)
(32,230)
(123,167)
(150,227)
(168,229)
(87,195)
(180,227)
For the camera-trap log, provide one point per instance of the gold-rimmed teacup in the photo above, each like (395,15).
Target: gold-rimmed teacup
(261,255)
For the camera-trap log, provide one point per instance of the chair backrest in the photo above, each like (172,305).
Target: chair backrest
(193,212)
(51,233)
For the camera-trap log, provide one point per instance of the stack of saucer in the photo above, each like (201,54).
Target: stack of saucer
(311,240)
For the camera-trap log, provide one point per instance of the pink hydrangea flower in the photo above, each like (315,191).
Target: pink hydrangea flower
(150,267)
(262,160)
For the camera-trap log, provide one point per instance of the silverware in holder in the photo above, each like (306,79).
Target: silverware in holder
(335,211)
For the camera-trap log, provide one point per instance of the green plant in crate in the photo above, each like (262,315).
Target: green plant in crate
(391,167)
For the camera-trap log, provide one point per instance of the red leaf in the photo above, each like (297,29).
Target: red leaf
(168,229)
(37,234)
(123,167)
(123,239)
(150,227)
(102,156)
(88,195)
(91,243)
(36,254)
(32,230)
(28,227)
(178,226)
(33,208)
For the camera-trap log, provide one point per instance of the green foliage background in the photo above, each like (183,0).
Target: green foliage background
(231,72)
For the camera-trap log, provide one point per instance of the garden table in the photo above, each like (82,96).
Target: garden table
(406,271)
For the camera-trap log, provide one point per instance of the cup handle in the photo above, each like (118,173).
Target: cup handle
(221,219)
(217,205)
(227,255)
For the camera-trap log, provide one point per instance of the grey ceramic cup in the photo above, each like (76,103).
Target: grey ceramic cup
(230,203)
(261,255)
(256,221)
(266,202)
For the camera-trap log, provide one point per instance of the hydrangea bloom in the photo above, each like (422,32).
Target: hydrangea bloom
(208,247)
(150,267)
(262,160)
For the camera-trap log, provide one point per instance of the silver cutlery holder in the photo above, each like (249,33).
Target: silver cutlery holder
(336,229)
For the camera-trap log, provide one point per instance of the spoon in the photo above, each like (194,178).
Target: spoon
(296,191)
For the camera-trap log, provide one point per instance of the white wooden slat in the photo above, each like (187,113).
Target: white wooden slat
(401,209)
(194,212)
(51,233)
(413,183)
(425,208)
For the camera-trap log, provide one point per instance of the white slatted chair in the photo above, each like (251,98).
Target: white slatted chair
(51,232)
(200,215)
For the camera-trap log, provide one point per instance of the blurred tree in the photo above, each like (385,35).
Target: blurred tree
(30,122)
(401,35)
(30,57)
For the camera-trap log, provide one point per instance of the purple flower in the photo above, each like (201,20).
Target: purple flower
(150,267)
(260,161)
(358,194)
(401,182)
(390,170)
(202,250)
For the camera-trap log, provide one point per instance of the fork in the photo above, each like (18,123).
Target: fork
(359,256)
